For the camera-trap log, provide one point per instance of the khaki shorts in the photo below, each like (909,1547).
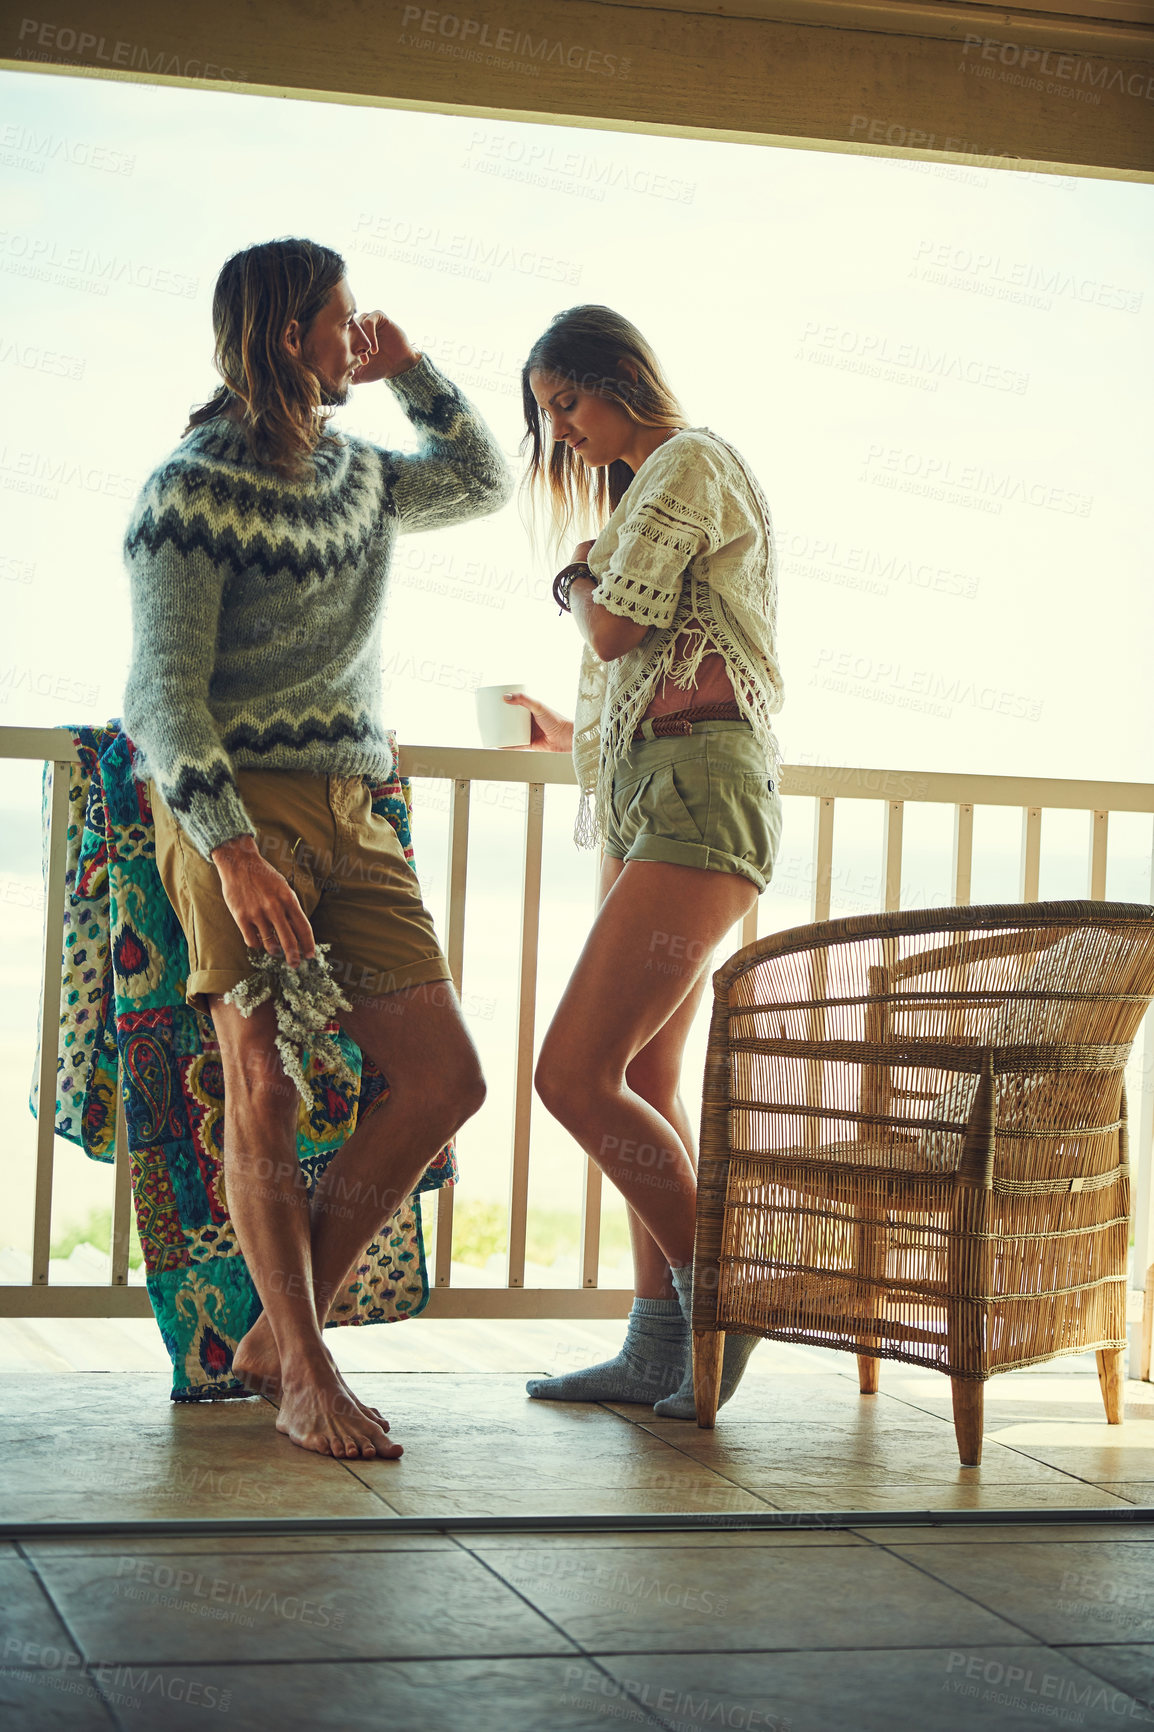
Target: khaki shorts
(349,871)
(702,799)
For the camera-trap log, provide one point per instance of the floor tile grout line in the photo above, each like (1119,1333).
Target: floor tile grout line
(434,1656)
(656,1720)
(637,1425)
(1059,1649)
(621,1687)
(962,1594)
(848,1377)
(85,1672)
(843,1648)
(354,1475)
(1038,1538)
(1031,1641)
(109,1706)
(1035,1641)
(536,1610)
(1078,1479)
(749,1491)
(86,1664)
(1024,1455)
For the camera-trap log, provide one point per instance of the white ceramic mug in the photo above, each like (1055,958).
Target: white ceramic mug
(501,724)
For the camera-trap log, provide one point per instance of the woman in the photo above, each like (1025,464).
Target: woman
(677,765)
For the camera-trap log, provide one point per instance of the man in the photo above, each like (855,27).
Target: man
(258,555)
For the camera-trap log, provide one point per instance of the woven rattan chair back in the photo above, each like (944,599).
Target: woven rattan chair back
(913,1142)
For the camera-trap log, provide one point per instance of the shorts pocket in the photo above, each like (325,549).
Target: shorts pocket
(681,799)
(631,809)
(762,826)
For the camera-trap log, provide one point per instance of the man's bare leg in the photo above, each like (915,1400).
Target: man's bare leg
(418,1038)
(269,1207)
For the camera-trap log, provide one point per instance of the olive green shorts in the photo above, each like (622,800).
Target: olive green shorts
(702,799)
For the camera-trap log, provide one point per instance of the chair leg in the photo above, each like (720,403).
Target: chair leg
(1110,1377)
(871,1239)
(968,1396)
(708,1347)
(869,1372)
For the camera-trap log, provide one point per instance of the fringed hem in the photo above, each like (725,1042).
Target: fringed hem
(712,623)
(714,633)
(586,830)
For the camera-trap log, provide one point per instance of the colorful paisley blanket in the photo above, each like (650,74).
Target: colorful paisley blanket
(122,1013)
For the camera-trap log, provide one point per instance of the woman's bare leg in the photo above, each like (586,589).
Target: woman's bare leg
(653,935)
(632,1081)
(655,1074)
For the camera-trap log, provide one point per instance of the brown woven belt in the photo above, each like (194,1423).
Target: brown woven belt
(681,721)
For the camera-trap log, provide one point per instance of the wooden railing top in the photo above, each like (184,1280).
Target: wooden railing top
(822,781)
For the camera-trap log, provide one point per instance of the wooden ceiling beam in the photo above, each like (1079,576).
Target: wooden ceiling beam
(915,78)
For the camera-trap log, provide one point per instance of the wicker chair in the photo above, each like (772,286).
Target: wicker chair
(913,1143)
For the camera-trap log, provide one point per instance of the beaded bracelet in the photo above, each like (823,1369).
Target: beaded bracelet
(565,579)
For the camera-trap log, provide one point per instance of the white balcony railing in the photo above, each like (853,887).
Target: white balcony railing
(461,768)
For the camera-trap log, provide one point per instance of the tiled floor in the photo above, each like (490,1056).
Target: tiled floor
(855,1628)
(877,1630)
(797,1436)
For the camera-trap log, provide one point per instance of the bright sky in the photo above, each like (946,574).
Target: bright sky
(941,377)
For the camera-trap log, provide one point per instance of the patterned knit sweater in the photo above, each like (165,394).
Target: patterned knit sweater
(256,601)
(689,550)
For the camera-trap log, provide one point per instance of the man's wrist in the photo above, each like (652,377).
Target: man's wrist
(416,356)
(236,846)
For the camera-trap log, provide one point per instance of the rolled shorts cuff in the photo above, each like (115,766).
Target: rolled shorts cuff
(206,983)
(373,983)
(698,854)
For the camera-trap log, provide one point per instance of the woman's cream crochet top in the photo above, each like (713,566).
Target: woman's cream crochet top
(689,548)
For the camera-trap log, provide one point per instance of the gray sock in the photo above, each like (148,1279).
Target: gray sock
(738,1348)
(651,1363)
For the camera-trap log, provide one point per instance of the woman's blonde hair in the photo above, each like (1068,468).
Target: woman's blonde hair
(587,345)
(258,292)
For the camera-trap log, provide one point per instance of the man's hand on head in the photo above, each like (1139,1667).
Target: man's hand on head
(391,352)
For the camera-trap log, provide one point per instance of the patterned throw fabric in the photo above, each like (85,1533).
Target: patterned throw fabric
(125,964)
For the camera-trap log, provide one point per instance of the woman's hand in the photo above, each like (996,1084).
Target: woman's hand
(548,732)
(581,552)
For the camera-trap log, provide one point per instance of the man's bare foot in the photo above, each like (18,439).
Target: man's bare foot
(256,1363)
(317,1413)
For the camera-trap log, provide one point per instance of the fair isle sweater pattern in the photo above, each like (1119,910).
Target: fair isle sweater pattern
(690,553)
(256,601)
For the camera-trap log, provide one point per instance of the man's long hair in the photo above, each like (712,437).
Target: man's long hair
(587,345)
(258,292)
